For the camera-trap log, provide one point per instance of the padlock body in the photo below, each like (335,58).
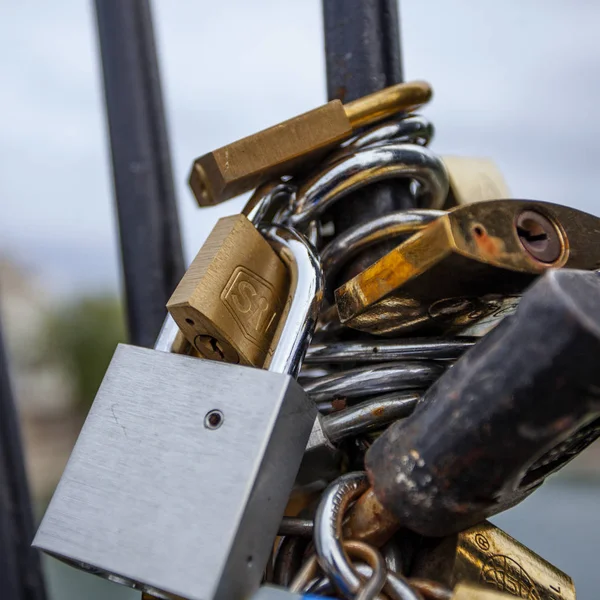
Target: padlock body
(232,296)
(268,154)
(486,555)
(157,497)
(473,180)
(457,270)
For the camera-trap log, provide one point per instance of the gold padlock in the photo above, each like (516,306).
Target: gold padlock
(473,180)
(282,149)
(461,266)
(487,556)
(230,300)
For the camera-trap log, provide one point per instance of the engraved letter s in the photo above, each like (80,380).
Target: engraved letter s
(243,301)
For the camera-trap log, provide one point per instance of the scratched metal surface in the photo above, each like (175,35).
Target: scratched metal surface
(146,473)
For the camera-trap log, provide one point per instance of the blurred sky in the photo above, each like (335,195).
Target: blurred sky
(515,80)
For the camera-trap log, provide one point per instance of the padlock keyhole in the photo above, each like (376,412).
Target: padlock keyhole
(216,348)
(533,234)
(538,236)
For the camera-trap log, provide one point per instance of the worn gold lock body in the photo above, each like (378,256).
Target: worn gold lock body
(282,149)
(473,180)
(460,266)
(488,556)
(230,300)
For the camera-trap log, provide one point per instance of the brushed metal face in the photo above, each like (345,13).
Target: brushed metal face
(157,497)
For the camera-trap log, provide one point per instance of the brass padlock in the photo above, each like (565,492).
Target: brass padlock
(488,556)
(282,149)
(458,269)
(473,180)
(230,300)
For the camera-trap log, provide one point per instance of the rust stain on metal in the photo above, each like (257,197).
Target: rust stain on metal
(338,404)
(488,244)
(369,521)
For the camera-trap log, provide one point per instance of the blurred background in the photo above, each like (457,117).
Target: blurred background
(515,81)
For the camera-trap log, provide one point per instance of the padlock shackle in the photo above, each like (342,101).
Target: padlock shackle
(297,324)
(263,198)
(166,336)
(364,167)
(328,530)
(413,129)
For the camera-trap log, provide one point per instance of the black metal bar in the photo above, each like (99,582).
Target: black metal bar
(362,44)
(20,565)
(149,227)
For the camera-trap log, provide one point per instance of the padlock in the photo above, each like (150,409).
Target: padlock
(512,410)
(181,473)
(456,270)
(230,300)
(282,149)
(486,555)
(473,180)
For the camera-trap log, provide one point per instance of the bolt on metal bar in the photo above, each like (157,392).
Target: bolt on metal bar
(149,227)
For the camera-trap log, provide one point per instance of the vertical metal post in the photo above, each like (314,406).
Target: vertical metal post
(362,45)
(151,250)
(20,565)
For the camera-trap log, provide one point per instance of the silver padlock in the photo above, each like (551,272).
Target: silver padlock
(182,471)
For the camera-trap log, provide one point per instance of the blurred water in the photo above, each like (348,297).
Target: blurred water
(560,522)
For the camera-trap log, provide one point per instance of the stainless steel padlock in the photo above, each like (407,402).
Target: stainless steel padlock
(183,468)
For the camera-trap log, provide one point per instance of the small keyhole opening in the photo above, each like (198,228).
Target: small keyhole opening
(533,234)
(538,236)
(216,348)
